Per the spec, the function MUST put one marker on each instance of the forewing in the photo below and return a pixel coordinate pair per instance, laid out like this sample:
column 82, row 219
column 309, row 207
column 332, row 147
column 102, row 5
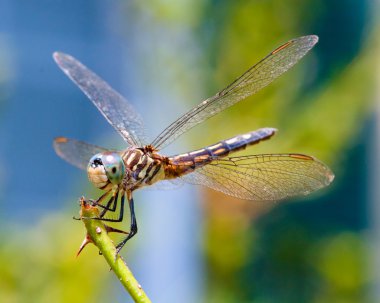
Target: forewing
column 257, row 77
column 117, row 110
column 77, row 153
column 264, row 177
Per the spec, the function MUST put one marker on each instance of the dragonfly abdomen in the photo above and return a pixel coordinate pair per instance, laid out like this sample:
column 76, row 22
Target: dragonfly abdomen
column 240, row 142
column 188, row 162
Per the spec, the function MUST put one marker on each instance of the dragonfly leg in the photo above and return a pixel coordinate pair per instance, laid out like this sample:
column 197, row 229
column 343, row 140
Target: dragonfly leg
column 99, row 201
column 107, row 207
column 133, row 229
column 119, row 219
column 114, row 199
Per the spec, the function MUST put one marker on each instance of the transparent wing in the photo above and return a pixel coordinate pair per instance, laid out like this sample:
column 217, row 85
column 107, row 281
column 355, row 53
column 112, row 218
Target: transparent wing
column 117, row 111
column 77, row 153
column 166, row 185
column 257, row 77
column 264, row 177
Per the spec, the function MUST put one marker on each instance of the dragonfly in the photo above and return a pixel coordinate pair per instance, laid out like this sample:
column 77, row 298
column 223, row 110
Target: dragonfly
column 264, row 177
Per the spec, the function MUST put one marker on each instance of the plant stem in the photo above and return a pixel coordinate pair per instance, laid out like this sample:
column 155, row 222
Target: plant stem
column 97, row 233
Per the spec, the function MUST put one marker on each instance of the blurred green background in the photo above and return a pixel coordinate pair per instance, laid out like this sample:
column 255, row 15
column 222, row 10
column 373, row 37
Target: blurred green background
column 193, row 245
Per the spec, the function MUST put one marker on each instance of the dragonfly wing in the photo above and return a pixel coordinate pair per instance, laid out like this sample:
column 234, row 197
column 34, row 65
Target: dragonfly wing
column 77, row 153
column 253, row 80
column 117, row 110
column 264, row 177
column 166, row 185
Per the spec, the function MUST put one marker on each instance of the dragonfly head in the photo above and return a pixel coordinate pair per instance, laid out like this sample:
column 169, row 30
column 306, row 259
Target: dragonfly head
column 106, row 168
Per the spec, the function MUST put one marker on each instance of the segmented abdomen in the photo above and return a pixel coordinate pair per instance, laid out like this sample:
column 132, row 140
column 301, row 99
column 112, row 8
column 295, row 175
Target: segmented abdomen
column 185, row 163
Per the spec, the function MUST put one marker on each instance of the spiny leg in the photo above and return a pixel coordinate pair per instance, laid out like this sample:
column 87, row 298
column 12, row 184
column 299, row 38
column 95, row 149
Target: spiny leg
column 121, row 213
column 107, row 207
column 99, row 200
column 133, row 229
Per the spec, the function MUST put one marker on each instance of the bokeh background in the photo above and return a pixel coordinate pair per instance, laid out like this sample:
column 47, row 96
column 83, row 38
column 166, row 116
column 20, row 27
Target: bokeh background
column 193, row 245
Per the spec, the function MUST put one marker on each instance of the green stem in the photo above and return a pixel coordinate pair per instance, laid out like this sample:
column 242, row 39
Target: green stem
column 97, row 233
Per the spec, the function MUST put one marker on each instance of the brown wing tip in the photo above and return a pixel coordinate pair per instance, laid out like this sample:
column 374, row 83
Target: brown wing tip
column 60, row 140
column 57, row 144
column 282, row 47
column 301, row 157
column 312, row 38
column 328, row 173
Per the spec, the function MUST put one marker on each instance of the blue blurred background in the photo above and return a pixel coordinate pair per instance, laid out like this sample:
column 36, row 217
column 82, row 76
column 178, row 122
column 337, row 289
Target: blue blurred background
column 194, row 245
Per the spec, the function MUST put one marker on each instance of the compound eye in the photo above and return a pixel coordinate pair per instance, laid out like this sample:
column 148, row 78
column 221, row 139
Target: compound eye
column 96, row 161
column 96, row 172
column 114, row 166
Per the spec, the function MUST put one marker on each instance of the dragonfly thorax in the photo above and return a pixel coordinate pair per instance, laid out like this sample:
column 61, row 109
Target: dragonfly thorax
column 106, row 168
column 143, row 167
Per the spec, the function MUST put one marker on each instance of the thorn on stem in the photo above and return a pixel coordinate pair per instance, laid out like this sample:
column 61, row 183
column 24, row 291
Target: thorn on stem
column 86, row 241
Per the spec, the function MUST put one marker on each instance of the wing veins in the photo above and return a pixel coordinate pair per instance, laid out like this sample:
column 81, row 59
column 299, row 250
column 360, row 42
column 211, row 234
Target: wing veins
column 112, row 105
column 267, row 177
column 288, row 54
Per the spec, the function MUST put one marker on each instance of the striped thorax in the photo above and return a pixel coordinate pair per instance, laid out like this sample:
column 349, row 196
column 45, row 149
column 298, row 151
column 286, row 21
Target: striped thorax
column 144, row 167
